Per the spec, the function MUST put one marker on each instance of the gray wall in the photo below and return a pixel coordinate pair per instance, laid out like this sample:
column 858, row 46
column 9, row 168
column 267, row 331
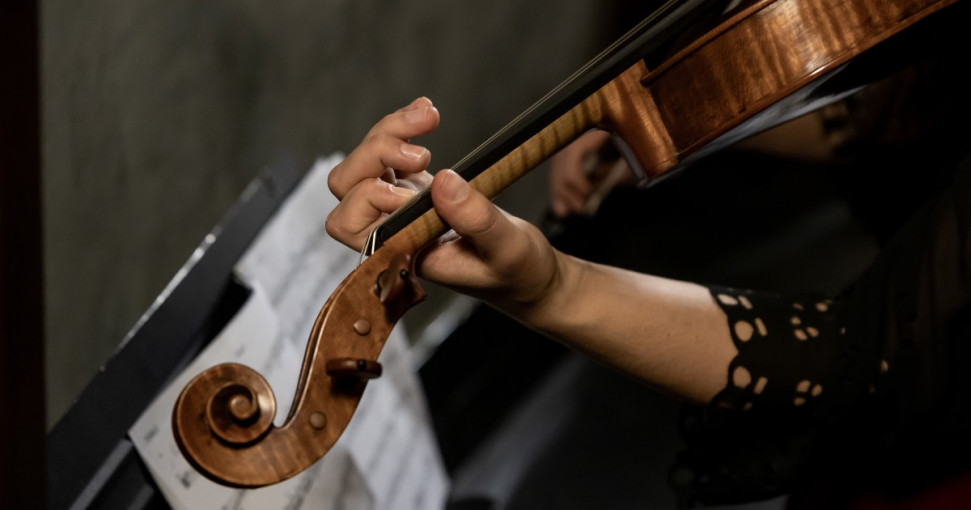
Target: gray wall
column 157, row 113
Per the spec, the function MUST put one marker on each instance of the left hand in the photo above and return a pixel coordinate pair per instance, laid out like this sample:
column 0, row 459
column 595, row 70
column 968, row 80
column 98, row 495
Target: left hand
column 489, row 254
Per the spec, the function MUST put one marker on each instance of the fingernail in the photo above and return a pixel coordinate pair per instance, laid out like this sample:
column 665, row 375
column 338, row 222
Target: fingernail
column 403, row 192
column 454, row 189
column 419, row 102
column 413, row 151
column 416, row 115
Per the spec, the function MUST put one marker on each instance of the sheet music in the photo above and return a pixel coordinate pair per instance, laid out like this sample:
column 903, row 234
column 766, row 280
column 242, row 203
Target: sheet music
column 386, row 458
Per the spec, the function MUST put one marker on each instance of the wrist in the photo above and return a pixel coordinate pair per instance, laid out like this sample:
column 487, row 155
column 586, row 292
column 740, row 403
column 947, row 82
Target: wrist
column 546, row 311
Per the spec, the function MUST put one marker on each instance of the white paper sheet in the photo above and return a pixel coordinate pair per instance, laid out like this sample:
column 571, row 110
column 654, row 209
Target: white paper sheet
column 387, row 456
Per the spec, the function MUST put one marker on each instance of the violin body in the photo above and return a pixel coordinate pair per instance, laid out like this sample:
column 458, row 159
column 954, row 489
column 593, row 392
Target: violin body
column 762, row 63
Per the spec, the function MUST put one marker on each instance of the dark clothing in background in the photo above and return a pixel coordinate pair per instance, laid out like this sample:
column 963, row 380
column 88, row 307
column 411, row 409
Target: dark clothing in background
column 864, row 393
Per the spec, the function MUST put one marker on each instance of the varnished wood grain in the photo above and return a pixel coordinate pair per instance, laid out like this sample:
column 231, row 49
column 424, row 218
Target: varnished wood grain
column 278, row 453
column 766, row 53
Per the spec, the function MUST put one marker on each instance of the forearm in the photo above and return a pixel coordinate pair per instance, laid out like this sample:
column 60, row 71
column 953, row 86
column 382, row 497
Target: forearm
column 668, row 333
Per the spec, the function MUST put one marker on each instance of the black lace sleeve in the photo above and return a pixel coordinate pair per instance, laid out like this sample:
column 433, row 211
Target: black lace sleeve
column 865, row 393
column 789, row 350
column 751, row 440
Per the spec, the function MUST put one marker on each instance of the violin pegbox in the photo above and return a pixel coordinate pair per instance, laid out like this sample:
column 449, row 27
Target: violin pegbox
column 223, row 419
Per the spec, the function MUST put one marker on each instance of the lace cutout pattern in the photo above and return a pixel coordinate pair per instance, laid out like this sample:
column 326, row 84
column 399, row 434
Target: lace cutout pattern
column 748, row 442
column 787, row 349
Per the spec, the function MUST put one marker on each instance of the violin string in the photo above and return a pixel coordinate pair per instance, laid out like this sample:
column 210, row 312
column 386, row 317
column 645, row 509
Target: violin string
column 421, row 202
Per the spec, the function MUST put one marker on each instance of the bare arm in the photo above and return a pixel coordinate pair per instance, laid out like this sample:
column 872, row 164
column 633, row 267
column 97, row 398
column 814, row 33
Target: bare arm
column 668, row 333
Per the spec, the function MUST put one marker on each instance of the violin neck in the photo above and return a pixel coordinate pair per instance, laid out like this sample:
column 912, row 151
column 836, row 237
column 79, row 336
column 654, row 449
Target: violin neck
column 552, row 122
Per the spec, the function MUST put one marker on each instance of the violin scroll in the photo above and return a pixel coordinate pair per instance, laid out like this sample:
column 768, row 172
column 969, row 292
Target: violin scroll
column 240, row 407
column 223, row 420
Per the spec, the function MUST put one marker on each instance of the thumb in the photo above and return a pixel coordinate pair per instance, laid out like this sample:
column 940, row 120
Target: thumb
column 471, row 214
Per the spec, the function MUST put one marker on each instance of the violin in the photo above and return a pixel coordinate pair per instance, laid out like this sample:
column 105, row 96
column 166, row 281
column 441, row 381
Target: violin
column 668, row 101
